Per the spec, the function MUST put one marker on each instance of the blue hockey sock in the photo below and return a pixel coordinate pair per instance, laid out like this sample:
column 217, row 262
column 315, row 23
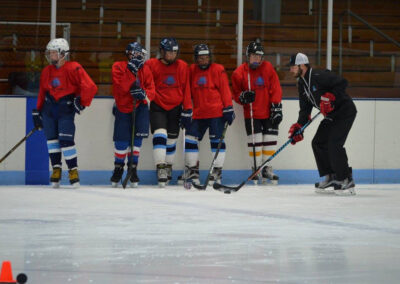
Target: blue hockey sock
column 137, row 144
column 54, row 150
column 120, row 151
column 69, row 152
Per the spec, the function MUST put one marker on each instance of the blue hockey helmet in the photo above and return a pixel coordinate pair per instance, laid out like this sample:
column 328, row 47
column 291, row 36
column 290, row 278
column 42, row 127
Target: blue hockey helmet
column 135, row 49
column 169, row 44
column 202, row 49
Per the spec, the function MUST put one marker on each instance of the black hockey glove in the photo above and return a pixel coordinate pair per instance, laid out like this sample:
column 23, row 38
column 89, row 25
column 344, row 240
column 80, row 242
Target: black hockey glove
column 37, row 119
column 137, row 93
column 276, row 114
column 247, row 97
column 228, row 114
column 78, row 108
column 135, row 64
column 186, row 118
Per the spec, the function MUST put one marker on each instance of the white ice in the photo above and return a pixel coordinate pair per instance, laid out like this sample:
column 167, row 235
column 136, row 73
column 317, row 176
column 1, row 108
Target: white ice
column 285, row 234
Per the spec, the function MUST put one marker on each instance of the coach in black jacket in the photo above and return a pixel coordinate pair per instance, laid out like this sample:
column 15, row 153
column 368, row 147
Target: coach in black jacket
column 327, row 92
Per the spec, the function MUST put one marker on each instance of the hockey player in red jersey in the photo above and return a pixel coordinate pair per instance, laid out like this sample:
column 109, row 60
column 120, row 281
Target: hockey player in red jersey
column 65, row 89
column 256, row 86
column 132, row 82
column 212, row 108
column 171, row 107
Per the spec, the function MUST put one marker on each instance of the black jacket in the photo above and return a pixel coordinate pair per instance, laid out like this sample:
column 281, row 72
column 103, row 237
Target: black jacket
column 316, row 83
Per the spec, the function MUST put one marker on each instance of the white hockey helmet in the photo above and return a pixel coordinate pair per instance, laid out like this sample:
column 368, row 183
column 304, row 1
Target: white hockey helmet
column 57, row 44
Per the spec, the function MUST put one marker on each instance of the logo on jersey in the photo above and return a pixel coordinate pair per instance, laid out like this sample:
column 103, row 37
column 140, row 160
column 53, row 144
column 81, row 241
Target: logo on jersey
column 170, row 80
column 259, row 81
column 202, row 81
column 55, row 82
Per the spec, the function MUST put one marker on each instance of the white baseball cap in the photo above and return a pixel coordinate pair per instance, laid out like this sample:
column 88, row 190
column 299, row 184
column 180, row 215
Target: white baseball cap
column 298, row 58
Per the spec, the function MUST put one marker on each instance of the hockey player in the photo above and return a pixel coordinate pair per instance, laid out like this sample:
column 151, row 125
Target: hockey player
column 171, row 107
column 256, row 86
column 132, row 83
column 326, row 91
column 65, row 89
column 212, row 108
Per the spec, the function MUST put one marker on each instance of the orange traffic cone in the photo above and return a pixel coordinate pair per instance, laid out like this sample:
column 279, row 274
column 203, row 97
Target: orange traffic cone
column 6, row 273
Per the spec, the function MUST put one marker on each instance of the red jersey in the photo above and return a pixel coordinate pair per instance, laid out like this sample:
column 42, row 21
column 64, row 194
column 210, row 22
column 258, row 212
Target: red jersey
column 123, row 79
column 172, row 83
column 210, row 91
column 264, row 82
column 69, row 79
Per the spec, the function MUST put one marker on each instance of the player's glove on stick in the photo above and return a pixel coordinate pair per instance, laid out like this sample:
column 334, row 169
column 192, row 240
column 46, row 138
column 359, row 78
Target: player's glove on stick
column 247, row 97
column 37, row 119
column 138, row 93
column 78, row 108
column 326, row 104
column 297, row 137
column 135, row 64
column 276, row 114
column 228, row 114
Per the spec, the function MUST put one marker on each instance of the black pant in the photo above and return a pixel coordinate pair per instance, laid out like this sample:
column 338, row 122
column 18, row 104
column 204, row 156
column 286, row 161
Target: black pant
column 327, row 145
column 166, row 119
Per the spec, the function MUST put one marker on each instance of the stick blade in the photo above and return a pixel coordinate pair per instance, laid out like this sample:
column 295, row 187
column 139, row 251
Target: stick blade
column 126, row 179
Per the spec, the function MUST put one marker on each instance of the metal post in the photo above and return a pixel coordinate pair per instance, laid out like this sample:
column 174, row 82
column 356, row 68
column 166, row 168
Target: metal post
column 53, row 19
column 329, row 36
column 148, row 27
column 240, row 33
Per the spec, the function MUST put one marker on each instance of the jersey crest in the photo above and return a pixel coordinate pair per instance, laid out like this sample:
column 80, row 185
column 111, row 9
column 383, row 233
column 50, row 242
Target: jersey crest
column 202, row 81
column 170, row 80
column 259, row 81
column 55, row 82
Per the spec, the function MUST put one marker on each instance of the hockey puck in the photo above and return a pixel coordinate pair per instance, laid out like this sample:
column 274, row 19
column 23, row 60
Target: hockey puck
column 227, row 192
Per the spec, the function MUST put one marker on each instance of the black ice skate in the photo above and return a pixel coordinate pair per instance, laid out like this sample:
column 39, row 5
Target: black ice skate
column 74, row 178
column 117, row 174
column 346, row 186
column 162, row 175
column 191, row 175
column 324, row 186
column 215, row 176
column 134, row 179
column 56, row 177
column 268, row 175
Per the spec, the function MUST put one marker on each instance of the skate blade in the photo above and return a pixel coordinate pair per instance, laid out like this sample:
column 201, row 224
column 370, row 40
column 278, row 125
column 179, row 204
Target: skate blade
column 134, row 184
column 114, row 184
column 161, row 184
column 75, row 185
column 55, row 184
column 180, row 182
column 266, row 181
column 324, row 191
column 345, row 192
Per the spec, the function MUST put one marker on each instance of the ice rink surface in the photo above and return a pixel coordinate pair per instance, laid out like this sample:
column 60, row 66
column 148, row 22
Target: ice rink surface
column 263, row 234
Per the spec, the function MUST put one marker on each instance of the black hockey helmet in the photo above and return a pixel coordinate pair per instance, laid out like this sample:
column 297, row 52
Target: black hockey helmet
column 202, row 49
column 255, row 48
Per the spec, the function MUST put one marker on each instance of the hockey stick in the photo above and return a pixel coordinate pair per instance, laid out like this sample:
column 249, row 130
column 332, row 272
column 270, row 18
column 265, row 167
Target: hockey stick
column 229, row 189
column 17, row 145
column 186, row 183
column 252, row 125
column 129, row 173
column 204, row 186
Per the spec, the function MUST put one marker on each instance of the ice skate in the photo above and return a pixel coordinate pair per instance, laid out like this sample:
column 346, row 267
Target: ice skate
column 190, row 175
column 345, row 187
column 324, row 186
column 256, row 178
column 56, row 177
column 74, row 178
column 134, row 179
column 169, row 172
column 162, row 176
column 117, row 174
column 216, row 176
column 268, row 175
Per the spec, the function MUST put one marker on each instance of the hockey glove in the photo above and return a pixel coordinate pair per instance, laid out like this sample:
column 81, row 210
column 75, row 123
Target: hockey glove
column 138, row 93
column 293, row 133
column 78, row 108
column 228, row 114
column 326, row 104
column 135, row 64
column 186, row 118
column 37, row 119
column 276, row 114
column 247, row 97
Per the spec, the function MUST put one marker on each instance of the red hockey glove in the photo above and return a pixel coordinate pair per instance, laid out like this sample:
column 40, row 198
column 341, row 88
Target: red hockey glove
column 297, row 137
column 326, row 104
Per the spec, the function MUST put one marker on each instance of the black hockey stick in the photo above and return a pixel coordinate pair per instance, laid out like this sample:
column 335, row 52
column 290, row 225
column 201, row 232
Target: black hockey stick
column 17, row 145
column 204, row 186
column 229, row 189
column 130, row 169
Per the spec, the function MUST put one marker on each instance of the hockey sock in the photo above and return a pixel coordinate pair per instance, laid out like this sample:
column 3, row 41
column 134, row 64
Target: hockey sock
column 69, row 152
column 137, row 144
column 258, row 146
column 54, row 150
column 120, row 151
column 191, row 151
column 269, row 146
column 219, row 162
column 171, row 149
column 159, row 145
